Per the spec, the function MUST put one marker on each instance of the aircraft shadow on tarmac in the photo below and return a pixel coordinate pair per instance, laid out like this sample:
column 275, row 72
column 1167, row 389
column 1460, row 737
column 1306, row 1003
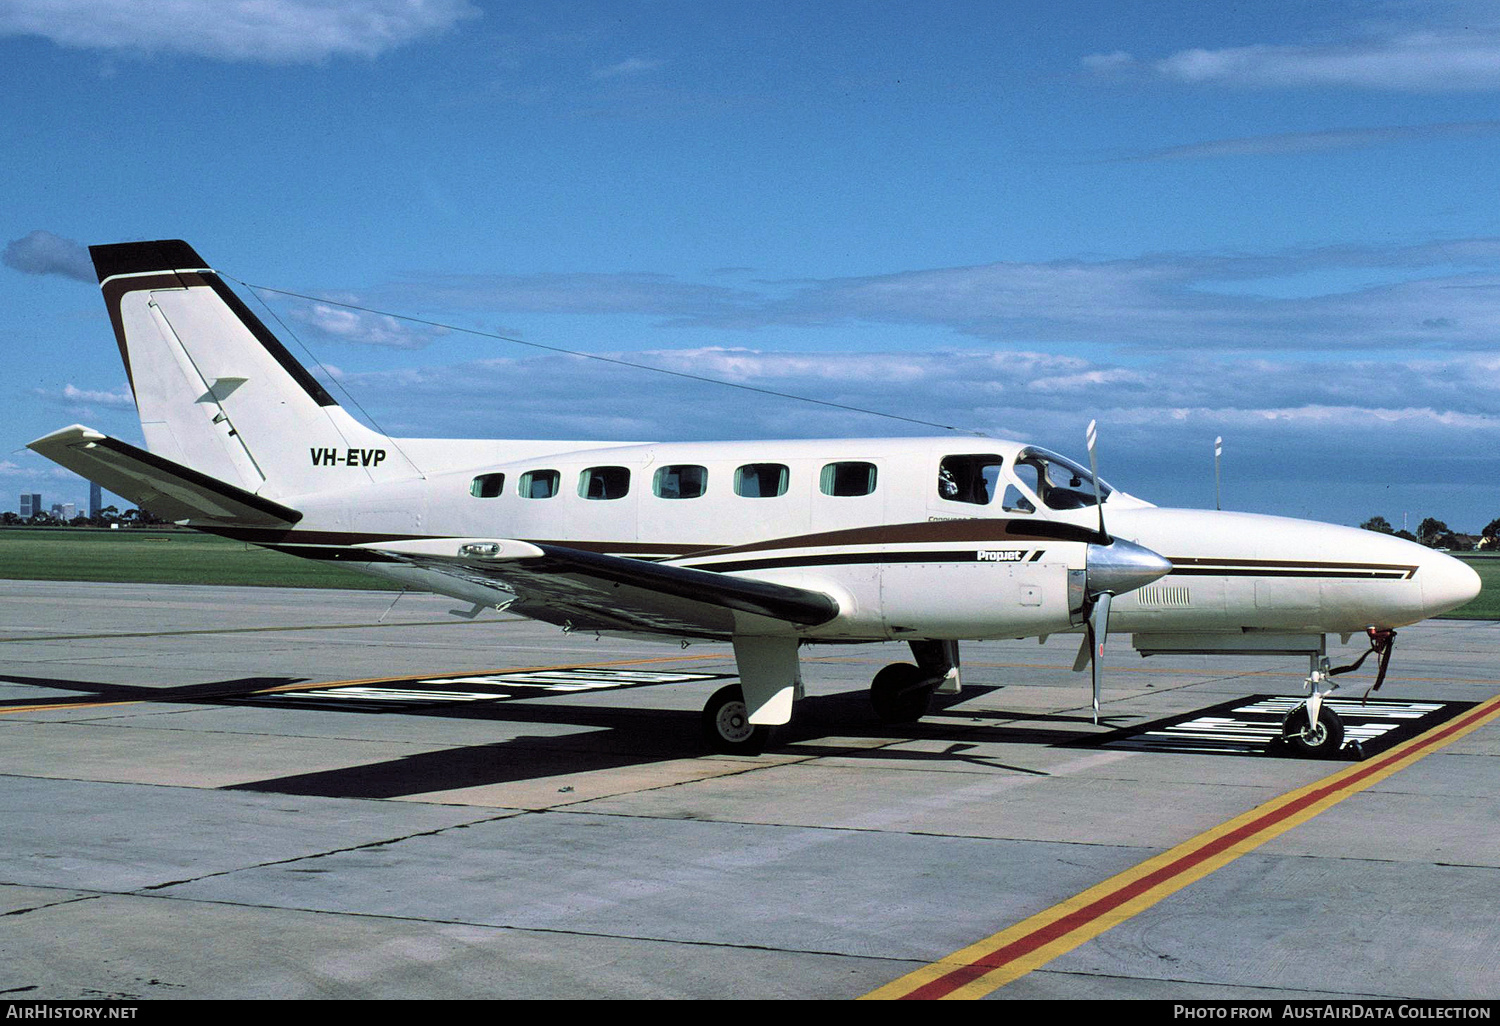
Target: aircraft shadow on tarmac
column 632, row 737
column 615, row 737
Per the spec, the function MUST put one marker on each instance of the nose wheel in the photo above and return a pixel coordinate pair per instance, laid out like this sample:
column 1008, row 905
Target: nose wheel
column 1318, row 736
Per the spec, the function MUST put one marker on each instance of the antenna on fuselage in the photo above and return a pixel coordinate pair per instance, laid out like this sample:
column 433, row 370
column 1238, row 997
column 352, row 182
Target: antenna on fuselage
column 1218, row 453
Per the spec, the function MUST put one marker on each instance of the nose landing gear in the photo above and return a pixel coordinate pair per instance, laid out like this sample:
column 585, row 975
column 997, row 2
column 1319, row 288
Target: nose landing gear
column 1317, row 735
column 1315, row 730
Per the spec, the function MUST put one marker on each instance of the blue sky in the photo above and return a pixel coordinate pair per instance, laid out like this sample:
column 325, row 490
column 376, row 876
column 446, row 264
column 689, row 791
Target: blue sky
column 1274, row 222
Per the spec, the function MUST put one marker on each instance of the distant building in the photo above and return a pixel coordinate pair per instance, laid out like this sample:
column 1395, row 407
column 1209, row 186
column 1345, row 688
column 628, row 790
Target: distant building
column 65, row 511
column 96, row 500
column 31, row 504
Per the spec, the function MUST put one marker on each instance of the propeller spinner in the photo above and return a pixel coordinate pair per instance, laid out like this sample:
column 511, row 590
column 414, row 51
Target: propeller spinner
column 1113, row 568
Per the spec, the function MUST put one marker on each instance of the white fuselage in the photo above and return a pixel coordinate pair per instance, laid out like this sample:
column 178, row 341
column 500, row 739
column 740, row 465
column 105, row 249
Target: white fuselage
column 903, row 555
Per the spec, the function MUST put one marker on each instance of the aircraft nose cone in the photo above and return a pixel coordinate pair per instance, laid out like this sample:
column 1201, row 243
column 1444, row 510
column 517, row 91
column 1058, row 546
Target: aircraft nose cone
column 1123, row 566
column 1447, row 583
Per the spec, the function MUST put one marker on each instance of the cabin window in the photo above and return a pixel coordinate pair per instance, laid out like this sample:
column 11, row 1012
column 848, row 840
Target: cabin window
column 761, row 480
column 487, row 486
column 539, row 484
column 969, row 478
column 848, row 479
column 604, row 483
column 1059, row 482
column 680, row 481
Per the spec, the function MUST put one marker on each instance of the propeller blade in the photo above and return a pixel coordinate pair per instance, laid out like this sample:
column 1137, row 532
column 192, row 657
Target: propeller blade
column 1085, row 649
column 1097, row 633
column 1092, row 437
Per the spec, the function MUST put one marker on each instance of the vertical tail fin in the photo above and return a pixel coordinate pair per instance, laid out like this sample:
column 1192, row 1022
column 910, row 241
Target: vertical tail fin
column 217, row 391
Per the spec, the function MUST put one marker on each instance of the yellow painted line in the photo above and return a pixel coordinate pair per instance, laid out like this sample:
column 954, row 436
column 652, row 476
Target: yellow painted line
column 990, row 964
column 368, row 680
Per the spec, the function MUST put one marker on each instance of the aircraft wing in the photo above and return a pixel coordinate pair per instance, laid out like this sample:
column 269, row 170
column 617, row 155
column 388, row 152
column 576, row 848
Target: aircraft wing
column 169, row 490
column 594, row 591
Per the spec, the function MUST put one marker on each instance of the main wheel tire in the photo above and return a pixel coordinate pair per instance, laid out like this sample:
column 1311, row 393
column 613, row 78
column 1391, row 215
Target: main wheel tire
column 727, row 727
column 899, row 693
column 1321, row 740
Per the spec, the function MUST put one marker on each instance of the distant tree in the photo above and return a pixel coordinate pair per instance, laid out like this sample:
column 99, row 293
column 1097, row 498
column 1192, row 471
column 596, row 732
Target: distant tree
column 1380, row 524
column 1491, row 532
column 1404, row 533
column 8, row 518
column 1431, row 530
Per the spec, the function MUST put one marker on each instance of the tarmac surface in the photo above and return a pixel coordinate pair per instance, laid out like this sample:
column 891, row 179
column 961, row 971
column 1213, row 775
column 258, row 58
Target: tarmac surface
column 189, row 812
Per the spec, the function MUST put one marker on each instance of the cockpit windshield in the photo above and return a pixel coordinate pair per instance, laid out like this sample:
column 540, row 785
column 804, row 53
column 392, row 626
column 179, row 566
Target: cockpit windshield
column 1057, row 481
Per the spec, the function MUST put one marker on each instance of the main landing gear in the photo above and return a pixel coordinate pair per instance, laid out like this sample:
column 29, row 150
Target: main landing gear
column 727, row 727
column 902, row 692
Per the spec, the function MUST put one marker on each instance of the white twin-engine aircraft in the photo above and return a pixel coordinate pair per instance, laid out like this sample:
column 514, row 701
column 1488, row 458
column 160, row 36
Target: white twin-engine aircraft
column 769, row 545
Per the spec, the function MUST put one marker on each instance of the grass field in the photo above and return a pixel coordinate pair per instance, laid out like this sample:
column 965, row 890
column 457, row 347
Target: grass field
column 187, row 557
column 162, row 557
column 1487, row 605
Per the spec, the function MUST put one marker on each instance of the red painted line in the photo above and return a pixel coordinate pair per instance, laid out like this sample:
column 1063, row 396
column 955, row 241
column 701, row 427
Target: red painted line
column 992, row 960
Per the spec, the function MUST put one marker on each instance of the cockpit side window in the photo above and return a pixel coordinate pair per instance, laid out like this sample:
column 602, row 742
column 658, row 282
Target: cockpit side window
column 1059, row 482
column 969, row 478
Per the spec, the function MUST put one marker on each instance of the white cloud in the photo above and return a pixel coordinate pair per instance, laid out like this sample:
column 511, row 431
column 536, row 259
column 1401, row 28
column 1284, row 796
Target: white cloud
column 1316, row 142
column 1445, row 294
column 1432, row 48
column 275, row 31
column 83, row 400
column 630, row 66
column 41, row 252
column 1411, row 61
column 362, row 327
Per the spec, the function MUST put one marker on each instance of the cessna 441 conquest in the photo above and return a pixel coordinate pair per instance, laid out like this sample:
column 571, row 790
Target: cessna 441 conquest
column 769, row 545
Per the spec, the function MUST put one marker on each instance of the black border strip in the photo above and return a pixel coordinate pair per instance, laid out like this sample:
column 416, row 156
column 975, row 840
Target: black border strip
column 141, row 257
column 199, row 480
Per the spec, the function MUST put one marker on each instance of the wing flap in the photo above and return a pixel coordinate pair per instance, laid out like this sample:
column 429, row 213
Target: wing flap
column 169, row 490
column 592, row 590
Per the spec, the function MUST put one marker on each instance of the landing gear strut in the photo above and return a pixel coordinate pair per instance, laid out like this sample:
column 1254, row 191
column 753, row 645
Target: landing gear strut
column 1313, row 728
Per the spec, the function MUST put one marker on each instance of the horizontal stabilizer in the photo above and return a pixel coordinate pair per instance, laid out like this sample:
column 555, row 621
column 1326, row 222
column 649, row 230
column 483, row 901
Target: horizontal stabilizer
column 168, row 490
column 614, row 592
